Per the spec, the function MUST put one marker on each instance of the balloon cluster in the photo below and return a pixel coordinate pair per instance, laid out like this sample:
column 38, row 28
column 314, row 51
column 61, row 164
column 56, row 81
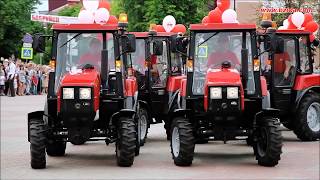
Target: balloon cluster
column 221, row 14
column 169, row 25
column 298, row 20
column 96, row 11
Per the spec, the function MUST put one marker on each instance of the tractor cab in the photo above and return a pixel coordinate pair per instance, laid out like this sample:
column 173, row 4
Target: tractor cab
column 92, row 95
column 221, row 98
column 293, row 87
column 159, row 70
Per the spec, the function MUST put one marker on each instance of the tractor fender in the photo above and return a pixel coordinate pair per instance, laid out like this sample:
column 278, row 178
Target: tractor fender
column 122, row 113
column 179, row 113
column 171, row 101
column 145, row 105
column 267, row 112
column 301, row 94
column 34, row 115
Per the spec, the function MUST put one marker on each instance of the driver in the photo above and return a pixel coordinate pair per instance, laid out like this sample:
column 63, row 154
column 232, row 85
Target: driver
column 223, row 53
column 93, row 55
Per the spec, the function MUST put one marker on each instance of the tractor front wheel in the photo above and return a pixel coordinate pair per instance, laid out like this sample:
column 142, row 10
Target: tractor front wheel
column 126, row 142
column 182, row 142
column 37, row 144
column 268, row 146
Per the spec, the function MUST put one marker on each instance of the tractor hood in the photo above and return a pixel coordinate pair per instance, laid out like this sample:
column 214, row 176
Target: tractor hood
column 86, row 77
column 224, row 77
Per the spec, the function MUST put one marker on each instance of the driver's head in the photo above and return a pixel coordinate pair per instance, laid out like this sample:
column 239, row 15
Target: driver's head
column 95, row 46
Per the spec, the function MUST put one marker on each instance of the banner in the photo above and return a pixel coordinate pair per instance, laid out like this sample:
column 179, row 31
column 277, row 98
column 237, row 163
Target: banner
column 54, row 19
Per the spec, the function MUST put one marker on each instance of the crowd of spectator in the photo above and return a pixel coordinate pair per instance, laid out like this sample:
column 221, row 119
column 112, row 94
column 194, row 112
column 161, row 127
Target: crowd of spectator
column 22, row 78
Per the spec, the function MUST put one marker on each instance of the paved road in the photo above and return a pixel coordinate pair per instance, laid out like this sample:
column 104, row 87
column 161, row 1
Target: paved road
column 95, row 160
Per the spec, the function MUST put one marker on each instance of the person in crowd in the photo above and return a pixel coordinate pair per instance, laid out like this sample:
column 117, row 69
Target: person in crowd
column 6, row 69
column 45, row 80
column 10, row 76
column 2, row 80
column 22, row 81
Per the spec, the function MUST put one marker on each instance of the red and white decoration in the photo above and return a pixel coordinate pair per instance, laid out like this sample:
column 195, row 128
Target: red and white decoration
column 301, row 21
column 221, row 14
column 169, row 25
column 95, row 11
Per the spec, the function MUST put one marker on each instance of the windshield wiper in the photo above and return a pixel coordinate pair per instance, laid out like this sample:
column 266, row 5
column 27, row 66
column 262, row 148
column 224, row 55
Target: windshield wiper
column 70, row 40
column 208, row 39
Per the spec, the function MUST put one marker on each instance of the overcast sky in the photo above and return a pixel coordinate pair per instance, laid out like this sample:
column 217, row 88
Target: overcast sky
column 43, row 6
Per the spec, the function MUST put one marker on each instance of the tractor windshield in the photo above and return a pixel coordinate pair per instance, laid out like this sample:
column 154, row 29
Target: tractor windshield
column 139, row 56
column 214, row 48
column 74, row 50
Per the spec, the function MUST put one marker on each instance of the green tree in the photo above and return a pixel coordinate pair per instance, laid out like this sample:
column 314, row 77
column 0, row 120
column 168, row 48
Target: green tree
column 70, row 10
column 15, row 22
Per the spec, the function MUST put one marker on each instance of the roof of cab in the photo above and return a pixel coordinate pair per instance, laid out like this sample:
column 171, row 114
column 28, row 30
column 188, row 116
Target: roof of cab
column 222, row 26
column 146, row 34
column 83, row 27
column 293, row 31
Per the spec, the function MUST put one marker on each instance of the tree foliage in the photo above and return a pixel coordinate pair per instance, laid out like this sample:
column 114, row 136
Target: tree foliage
column 70, row 10
column 15, row 22
column 141, row 13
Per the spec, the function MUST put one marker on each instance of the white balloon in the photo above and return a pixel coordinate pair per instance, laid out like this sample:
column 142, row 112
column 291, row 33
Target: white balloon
column 168, row 23
column 229, row 16
column 285, row 23
column 86, row 17
column 101, row 16
column 282, row 28
column 298, row 19
column 91, row 5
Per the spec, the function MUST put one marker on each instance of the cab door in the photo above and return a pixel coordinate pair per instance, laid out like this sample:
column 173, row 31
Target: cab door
column 158, row 80
column 283, row 75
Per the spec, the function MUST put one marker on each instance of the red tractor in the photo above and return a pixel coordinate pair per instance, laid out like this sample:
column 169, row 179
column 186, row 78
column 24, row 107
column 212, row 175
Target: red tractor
column 221, row 97
column 293, row 87
column 159, row 71
column 91, row 94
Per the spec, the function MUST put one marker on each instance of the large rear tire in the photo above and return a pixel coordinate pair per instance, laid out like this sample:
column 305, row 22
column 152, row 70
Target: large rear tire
column 268, row 146
column 182, row 142
column 37, row 144
column 56, row 148
column 126, row 142
column 307, row 121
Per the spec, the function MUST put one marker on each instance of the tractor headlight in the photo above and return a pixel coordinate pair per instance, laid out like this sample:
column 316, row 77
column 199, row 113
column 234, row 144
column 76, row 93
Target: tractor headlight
column 85, row 93
column 68, row 93
column 215, row 93
column 232, row 92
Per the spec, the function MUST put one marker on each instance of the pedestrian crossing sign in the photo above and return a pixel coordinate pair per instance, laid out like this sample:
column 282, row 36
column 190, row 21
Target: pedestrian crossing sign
column 202, row 51
column 26, row 53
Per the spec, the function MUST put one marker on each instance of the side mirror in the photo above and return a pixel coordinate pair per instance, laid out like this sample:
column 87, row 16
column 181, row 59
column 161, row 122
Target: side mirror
column 39, row 43
column 157, row 48
column 278, row 45
column 315, row 42
column 178, row 44
column 128, row 43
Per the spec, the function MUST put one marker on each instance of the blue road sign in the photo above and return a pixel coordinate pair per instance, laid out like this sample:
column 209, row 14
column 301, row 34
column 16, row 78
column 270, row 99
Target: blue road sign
column 26, row 53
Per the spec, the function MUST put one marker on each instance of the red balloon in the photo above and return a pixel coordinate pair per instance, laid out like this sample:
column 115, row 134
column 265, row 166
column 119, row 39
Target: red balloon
column 291, row 25
column 215, row 16
column 160, row 28
column 180, row 28
column 312, row 37
column 112, row 20
column 205, row 20
column 104, row 4
column 312, row 26
column 223, row 4
column 307, row 18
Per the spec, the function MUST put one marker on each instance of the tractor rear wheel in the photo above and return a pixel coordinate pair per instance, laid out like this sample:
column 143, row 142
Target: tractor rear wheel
column 143, row 125
column 37, row 144
column 56, row 148
column 126, row 142
column 182, row 142
column 307, row 121
column 268, row 146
